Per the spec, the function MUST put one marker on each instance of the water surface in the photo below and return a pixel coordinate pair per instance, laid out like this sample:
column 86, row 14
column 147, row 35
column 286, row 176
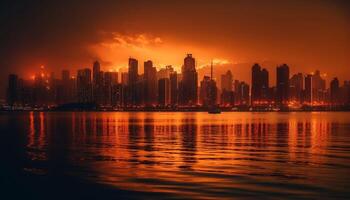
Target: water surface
column 175, row 155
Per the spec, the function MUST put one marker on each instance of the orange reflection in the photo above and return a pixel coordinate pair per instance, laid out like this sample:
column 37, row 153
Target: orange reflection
column 156, row 151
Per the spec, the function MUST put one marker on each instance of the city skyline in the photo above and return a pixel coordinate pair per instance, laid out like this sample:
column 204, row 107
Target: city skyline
column 167, row 88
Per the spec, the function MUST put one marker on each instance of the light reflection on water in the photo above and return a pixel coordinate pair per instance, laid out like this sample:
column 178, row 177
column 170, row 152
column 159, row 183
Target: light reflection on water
column 191, row 155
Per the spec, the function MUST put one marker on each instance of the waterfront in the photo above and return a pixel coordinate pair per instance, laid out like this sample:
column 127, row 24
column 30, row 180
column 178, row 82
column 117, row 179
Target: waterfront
column 178, row 155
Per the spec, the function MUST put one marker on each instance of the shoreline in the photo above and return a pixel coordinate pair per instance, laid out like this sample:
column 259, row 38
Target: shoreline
column 175, row 111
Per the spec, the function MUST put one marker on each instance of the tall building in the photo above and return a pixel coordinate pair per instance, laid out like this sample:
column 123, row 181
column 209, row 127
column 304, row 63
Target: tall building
column 27, row 93
column 260, row 86
column 84, row 86
column 335, row 92
column 110, row 80
column 164, row 92
column 132, row 81
column 97, row 83
column 244, row 93
column 346, row 93
column 227, row 81
column 118, row 95
column 13, row 90
column 296, row 88
column 207, row 92
column 264, row 87
column 241, row 93
column 282, row 85
column 318, row 88
column 65, row 89
column 227, row 96
column 150, row 77
column 124, row 78
column 174, row 88
column 41, row 89
column 256, row 84
column 133, row 71
column 189, row 83
column 308, row 90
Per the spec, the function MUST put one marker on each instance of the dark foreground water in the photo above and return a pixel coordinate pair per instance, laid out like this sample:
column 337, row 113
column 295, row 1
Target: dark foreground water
column 175, row 155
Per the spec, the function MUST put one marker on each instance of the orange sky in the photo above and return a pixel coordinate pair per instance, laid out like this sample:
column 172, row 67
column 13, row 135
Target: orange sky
column 307, row 35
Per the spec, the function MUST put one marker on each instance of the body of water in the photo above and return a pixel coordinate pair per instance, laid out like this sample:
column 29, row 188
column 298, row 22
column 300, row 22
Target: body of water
column 145, row 155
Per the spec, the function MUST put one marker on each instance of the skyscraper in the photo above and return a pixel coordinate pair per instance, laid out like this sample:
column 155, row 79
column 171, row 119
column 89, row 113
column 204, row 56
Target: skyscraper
column 173, row 88
column 346, row 93
column 241, row 93
column 260, row 86
column 164, row 92
column 282, row 85
column 256, row 84
column 296, row 88
column 132, row 81
column 264, row 74
column 207, row 92
column 227, row 97
column 133, row 71
column 110, row 80
column 308, row 90
column 335, row 92
column 84, row 86
column 189, row 82
column 318, row 88
column 227, row 81
column 12, row 90
column 65, row 88
column 97, row 85
column 124, row 78
column 150, row 77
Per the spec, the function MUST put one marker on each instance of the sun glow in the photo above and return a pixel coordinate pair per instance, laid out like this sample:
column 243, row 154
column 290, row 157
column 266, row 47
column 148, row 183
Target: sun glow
column 163, row 52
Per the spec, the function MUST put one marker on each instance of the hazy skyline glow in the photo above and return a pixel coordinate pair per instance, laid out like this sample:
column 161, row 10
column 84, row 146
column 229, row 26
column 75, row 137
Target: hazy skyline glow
column 307, row 35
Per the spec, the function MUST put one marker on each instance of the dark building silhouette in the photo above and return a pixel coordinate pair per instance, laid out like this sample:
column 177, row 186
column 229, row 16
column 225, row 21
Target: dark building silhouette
column 13, row 95
column 110, row 80
column 189, row 82
column 164, row 92
column 150, row 77
column 242, row 97
column 174, row 90
column 296, row 88
column 207, row 92
column 256, row 84
column 282, row 85
column 227, row 95
column 345, row 90
column 98, row 83
column 65, row 88
column 84, row 86
column 118, row 95
column 124, row 78
column 41, row 88
column 260, row 86
column 167, row 88
column 308, row 90
column 264, row 87
column 318, row 88
column 335, row 97
column 132, row 81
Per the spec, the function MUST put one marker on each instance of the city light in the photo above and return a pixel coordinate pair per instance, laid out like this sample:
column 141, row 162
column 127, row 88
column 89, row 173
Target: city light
column 167, row 89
